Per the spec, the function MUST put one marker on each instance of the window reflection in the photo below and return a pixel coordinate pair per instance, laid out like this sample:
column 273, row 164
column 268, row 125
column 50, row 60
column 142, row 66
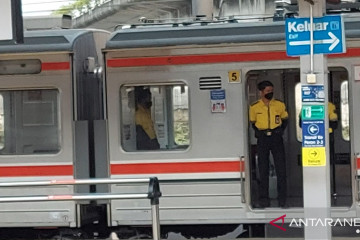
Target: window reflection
column 29, row 122
column 165, row 120
column 345, row 111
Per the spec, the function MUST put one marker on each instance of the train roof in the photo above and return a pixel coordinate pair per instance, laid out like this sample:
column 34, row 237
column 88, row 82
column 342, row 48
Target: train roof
column 211, row 33
column 47, row 40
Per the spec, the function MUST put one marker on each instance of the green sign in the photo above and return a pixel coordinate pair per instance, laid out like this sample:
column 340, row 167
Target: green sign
column 312, row 112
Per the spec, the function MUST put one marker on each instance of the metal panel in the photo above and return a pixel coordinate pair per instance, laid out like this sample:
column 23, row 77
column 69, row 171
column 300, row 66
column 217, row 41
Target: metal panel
column 82, row 168
column 101, row 154
column 182, row 201
column 190, row 201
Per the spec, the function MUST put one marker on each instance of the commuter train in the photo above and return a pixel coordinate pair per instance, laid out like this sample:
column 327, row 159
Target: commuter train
column 68, row 112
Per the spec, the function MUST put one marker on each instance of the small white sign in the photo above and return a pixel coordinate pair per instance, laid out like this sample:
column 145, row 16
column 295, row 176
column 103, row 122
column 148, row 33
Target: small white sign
column 357, row 73
column 6, row 32
column 218, row 103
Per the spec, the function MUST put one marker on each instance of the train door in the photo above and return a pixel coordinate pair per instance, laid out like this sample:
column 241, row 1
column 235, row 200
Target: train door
column 287, row 88
column 284, row 81
column 339, row 136
column 340, row 144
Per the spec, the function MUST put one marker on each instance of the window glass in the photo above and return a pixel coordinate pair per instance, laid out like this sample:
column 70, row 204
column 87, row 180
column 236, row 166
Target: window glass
column 30, row 122
column 154, row 117
column 1, row 122
column 345, row 111
column 298, row 109
column 181, row 115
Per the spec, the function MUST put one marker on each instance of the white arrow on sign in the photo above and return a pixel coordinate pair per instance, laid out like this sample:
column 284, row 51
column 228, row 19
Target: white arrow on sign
column 313, row 129
column 334, row 41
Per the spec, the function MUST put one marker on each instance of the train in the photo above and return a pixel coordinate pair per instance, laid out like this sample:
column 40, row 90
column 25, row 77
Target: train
column 67, row 112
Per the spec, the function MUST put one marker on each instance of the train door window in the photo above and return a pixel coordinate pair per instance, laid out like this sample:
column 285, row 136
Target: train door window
column 345, row 111
column 155, row 117
column 181, row 116
column 30, row 122
column 297, row 111
column 1, row 122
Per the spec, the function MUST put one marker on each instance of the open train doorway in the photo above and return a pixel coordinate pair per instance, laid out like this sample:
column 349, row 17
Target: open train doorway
column 287, row 88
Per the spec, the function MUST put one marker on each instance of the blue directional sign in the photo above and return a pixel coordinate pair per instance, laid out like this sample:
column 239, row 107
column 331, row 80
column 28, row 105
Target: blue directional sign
column 328, row 35
column 313, row 93
column 313, row 133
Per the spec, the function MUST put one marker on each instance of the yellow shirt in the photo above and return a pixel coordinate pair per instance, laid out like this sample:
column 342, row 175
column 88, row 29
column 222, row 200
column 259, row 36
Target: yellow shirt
column 267, row 117
column 332, row 114
column 143, row 118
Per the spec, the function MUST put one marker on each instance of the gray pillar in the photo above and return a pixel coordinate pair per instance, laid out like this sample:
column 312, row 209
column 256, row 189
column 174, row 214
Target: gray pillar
column 316, row 179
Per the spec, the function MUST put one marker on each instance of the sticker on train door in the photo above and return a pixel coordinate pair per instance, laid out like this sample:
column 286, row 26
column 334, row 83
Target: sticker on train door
column 218, row 103
column 234, row 77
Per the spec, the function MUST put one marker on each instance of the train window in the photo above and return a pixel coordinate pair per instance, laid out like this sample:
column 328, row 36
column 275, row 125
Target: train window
column 297, row 111
column 345, row 127
column 31, row 124
column 155, row 117
column 22, row 66
column 1, row 122
column 181, row 115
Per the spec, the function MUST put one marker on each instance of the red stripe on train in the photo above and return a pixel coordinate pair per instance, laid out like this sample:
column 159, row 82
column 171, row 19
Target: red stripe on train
column 184, row 167
column 350, row 52
column 196, row 59
column 27, row 171
column 213, row 58
column 51, row 66
column 358, row 163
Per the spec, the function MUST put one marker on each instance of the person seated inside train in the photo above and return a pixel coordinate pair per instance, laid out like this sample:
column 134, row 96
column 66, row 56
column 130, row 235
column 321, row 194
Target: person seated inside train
column 333, row 118
column 146, row 138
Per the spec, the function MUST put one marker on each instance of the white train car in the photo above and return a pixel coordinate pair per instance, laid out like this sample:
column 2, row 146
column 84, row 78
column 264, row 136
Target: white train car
column 46, row 119
column 207, row 157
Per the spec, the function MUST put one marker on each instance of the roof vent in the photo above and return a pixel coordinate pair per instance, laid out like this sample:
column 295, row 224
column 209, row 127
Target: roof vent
column 209, row 83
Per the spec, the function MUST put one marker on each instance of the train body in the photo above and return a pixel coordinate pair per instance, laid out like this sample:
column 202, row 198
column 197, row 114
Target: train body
column 64, row 118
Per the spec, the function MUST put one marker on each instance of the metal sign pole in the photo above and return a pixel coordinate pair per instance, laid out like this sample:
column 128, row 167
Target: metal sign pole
column 17, row 21
column 316, row 171
column 311, row 40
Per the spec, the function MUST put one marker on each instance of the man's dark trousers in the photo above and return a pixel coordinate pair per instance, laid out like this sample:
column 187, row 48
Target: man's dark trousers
column 275, row 145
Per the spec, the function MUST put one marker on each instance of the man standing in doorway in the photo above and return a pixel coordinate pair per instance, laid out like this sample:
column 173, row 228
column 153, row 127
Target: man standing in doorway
column 269, row 120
